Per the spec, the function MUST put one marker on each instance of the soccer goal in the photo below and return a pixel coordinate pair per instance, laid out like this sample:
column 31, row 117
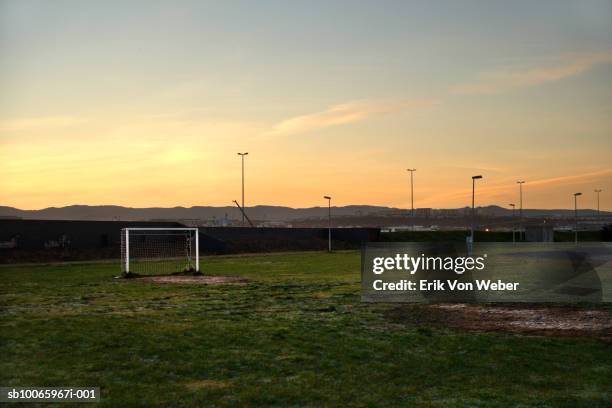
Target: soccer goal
column 159, row 251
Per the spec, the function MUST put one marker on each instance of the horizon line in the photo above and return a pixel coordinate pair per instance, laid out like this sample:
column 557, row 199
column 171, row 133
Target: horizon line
column 304, row 208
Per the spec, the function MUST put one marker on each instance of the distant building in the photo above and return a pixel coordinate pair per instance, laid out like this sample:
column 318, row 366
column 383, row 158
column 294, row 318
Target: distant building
column 423, row 212
column 188, row 222
column 539, row 233
column 274, row 224
column 450, row 213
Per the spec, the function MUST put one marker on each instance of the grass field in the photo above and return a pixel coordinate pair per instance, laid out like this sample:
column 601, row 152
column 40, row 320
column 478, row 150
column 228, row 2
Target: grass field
column 295, row 335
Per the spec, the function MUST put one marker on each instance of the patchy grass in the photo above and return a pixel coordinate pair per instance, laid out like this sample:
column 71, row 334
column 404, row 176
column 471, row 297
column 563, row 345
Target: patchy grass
column 295, row 335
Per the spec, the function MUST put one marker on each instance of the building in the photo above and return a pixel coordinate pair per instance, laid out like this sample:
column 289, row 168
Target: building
column 422, row 212
column 540, row 232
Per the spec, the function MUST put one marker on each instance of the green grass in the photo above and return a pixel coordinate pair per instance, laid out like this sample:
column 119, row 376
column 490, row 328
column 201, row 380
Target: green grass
column 296, row 335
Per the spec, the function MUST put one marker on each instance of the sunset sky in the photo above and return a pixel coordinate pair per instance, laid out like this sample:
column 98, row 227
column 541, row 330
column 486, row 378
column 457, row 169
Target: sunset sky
column 146, row 103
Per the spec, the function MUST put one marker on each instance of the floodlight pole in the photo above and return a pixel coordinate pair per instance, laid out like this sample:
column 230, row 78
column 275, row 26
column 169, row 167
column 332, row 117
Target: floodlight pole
column 243, row 208
column 328, row 198
column 474, row 178
column 520, row 183
column 599, row 190
column 412, row 195
column 411, row 191
column 513, row 221
column 576, row 217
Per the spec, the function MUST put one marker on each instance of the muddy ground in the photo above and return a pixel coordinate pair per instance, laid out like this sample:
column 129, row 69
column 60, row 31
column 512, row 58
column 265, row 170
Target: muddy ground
column 192, row 280
column 518, row 318
column 525, row 319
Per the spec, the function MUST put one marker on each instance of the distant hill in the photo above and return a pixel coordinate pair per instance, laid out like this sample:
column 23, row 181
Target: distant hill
column 112, row 212
column 260, row 212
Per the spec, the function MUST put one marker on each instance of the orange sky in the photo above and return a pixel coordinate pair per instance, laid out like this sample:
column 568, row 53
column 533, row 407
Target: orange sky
column 118, row 108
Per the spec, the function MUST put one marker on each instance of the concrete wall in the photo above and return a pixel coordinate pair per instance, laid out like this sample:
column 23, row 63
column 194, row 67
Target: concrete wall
column 235, row 240
column 40, row 234
column 47, row 240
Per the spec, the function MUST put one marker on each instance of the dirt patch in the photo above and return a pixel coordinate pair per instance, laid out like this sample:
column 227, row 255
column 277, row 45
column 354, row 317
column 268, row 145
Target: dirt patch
column 516, row 318
column 204, row 384
column 192, row 280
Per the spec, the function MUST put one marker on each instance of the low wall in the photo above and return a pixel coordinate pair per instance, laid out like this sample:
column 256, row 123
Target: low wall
column 50, row 240
column 235, row 240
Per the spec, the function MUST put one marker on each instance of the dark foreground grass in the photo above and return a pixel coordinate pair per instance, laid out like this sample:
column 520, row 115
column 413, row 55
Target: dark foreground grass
column 296, row 335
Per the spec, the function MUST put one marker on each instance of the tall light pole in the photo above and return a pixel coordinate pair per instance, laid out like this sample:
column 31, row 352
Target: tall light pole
column 513, row 221
column 520, row 183
column 328, row 198
column 597, row 191
column 576, row 216
column 411, row 191
column 243, row 209
column 474, row 178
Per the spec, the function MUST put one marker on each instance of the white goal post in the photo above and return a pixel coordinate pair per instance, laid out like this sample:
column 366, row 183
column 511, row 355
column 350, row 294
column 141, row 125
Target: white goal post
column 160, row 251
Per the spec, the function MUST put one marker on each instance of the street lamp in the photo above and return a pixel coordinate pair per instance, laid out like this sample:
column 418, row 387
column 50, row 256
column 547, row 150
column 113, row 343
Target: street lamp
column 411, row 191
column 474, row 178
column 599, row 190
column 513, row 221
column 576, row 216
column 243, row 209
column 328, row 198
column 520, row 183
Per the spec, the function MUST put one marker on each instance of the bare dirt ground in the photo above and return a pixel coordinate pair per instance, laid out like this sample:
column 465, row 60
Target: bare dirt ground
column 192, row 280
column 525, row 319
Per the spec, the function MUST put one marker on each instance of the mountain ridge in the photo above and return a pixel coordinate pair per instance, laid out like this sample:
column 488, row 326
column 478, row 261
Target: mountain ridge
column 259, row 212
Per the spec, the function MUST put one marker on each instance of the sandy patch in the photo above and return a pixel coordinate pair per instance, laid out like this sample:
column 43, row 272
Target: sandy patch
column 191, row 280
column 204, row 384
column 529, row 319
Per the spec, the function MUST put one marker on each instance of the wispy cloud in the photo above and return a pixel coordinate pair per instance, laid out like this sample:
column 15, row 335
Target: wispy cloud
column 574, row 179
column 509, row 79
column 492, row 192
column 493, row 82
column 349, row 112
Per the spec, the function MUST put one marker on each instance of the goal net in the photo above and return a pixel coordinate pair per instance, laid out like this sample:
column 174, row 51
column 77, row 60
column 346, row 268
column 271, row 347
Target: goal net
column 159, row 251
